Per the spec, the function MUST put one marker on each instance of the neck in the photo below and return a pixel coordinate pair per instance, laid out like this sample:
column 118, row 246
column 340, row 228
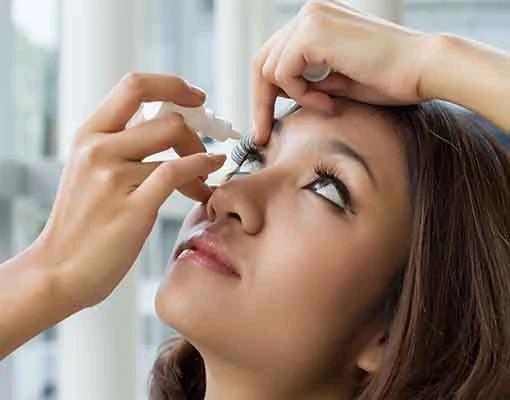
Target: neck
column 227, row 382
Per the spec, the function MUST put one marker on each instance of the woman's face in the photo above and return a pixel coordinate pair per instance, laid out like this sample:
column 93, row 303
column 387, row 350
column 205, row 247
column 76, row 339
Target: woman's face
column 315, row 232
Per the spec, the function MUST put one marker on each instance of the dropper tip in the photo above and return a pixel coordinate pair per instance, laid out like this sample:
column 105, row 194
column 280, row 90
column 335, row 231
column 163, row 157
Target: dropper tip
column 235, row 134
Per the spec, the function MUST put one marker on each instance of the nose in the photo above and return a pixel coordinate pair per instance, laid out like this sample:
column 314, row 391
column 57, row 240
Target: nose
column 240, row 200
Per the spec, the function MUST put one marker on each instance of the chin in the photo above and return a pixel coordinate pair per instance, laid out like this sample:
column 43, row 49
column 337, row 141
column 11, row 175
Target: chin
column 177, row 303
column 195, row 304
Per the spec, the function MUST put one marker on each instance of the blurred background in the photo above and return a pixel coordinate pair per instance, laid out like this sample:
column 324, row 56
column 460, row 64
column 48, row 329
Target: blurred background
column 57, row 60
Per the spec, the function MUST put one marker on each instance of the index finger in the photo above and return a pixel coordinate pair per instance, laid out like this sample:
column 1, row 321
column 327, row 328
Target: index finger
column 264, row 94
column 125, row 99
column 264, row 98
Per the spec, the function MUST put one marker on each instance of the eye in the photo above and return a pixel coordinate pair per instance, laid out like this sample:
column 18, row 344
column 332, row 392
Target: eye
column 252, row 162
column 332, row 189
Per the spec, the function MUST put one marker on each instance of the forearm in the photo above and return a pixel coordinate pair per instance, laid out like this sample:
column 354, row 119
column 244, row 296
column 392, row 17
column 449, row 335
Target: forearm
column 471, row 74
column 29, row 301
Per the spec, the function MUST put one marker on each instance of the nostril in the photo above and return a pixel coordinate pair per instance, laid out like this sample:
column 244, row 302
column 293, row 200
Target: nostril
column 234, row 216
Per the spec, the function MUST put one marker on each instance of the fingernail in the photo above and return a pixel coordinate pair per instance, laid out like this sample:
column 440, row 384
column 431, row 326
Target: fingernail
column 197, row 91
column 219, row 157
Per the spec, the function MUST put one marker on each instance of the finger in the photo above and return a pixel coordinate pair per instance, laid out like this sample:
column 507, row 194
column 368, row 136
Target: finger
column 273, row 57
column 173, row 174
column 196, row 190
column 287, row 73
column 125, row 99
column 264, row 98
column 369, row 95
column 317, row 100
column 264, row 94
column 136, row 119
column 154, row 136
column 288, row 77
column 333, row 84
column 136, row 173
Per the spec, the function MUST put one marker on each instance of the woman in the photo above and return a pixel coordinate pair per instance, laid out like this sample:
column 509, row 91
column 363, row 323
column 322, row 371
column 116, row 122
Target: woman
column 72, row 266
column 363, row 255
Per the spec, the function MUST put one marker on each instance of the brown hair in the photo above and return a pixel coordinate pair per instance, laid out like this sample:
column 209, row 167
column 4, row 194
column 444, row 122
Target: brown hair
column 449, row 331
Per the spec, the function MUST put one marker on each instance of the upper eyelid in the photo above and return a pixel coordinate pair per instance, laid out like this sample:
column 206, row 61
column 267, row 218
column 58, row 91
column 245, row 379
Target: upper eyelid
column 238, row 166
column 345, row 191
column 254, row 152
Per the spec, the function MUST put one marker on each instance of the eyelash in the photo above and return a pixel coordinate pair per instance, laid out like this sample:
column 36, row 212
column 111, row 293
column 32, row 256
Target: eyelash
column 243, row 151
column 330, row 173
column 246, row 150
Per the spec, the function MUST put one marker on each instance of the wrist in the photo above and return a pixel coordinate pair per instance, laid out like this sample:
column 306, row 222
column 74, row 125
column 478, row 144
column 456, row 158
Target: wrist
column 29, row 289
column 468, row 73
column 433, row 49
column 46, row 273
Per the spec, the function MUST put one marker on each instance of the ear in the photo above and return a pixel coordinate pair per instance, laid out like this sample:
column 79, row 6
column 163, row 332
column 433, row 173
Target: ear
column 370, row 357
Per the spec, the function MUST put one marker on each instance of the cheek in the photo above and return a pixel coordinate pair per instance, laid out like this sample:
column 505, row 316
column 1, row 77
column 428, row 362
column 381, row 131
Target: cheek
column 322, row 272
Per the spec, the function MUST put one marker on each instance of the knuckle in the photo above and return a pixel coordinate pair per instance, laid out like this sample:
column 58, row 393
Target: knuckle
column 177, row 131
column 174, row 121
column 92, row 152
column 79, row 138
column 170, row 172
column 256, row 65
column 313, row 8
column 175, row 127
column 268, row 72
column 279, row 74
column 134, row 83
column 312, row 17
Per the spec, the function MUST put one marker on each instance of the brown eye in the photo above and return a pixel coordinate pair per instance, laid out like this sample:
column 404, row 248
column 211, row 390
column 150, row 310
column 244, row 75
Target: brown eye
column 252, row 162
column 331, row 188
column 329, row 192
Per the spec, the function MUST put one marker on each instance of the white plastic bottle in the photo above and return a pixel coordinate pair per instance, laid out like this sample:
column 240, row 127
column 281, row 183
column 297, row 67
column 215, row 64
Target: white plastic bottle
column 206, row 122
column 202, row 120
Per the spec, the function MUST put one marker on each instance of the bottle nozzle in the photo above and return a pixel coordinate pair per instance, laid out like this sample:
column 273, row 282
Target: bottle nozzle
column 316, row 72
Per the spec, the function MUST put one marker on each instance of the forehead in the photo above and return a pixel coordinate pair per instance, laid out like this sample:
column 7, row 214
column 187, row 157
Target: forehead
column 366, row 128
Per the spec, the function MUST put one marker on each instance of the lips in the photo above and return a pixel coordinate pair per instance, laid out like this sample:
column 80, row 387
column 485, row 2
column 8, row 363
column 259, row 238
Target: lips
column 206, row 249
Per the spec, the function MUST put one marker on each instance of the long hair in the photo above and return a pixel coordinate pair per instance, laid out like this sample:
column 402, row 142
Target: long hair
column 449, row 325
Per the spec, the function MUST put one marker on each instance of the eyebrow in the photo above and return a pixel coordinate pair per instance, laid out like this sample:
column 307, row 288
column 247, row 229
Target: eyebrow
column 337, row 146
column 343, row 148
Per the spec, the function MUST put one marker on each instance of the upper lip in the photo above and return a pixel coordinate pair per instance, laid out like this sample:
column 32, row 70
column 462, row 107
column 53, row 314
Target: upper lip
column 210, row 244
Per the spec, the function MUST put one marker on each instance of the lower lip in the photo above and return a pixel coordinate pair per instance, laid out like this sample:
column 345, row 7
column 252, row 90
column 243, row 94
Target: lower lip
column 204, row 260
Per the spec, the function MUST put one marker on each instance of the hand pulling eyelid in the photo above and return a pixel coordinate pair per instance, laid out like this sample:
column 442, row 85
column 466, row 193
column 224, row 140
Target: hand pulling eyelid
column 207, row 123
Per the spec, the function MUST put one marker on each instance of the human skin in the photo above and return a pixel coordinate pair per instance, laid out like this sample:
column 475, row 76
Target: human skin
column 296, row 323
column 377, row 62
column 105, row 190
